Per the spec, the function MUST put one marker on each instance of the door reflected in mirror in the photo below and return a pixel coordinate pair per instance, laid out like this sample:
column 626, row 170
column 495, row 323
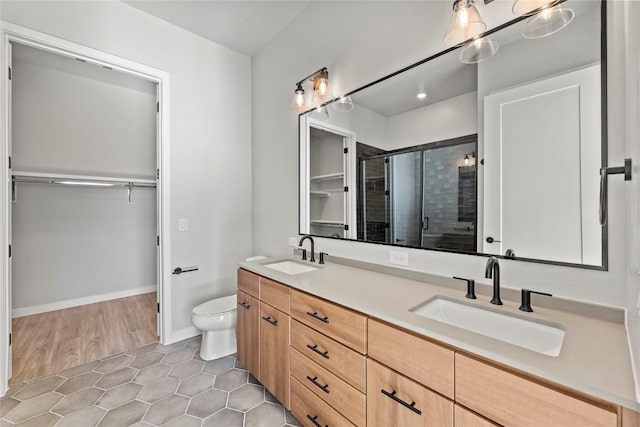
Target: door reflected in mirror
column 494, row 157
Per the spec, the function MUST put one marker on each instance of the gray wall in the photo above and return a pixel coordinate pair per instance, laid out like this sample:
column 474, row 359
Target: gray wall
column 210, row 136
column 78, row 242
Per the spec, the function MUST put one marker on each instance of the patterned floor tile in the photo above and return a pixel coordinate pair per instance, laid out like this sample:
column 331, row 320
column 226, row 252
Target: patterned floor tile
column 147, row 386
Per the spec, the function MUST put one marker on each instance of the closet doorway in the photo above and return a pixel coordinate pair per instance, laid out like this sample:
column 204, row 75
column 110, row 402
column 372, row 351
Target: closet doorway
column 84, row 207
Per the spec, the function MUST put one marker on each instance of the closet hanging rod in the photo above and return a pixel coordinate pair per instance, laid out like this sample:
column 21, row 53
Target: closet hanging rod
column 88, row 183
column 76, row 177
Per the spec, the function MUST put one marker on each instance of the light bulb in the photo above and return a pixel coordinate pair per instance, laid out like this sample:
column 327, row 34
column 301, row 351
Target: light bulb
column 466, row 159
column 299, row 100
column 546, row 13
column 463, row 18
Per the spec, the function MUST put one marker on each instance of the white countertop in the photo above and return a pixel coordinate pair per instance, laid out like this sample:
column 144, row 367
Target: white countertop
column 594, row 359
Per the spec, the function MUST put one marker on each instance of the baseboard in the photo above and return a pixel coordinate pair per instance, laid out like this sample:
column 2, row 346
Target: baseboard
column 183, row 334
column 59, row 305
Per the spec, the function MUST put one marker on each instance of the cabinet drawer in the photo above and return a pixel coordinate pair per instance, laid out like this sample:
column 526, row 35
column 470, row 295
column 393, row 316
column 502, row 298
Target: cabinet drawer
column 275, row 294
column 393, row 400
column 343, row 325
column 249, row 283
column 512, row 400
column 465, row 418
column 328, row 387
column 415, row 357
column 341, row 360
column 311, row 411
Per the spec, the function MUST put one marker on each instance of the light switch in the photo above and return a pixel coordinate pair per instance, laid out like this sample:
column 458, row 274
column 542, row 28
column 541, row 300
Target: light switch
column 183, row 224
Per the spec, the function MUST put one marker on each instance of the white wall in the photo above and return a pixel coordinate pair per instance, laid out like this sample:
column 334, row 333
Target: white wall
column 210, row 134
column 71, row 243
column 632, row 92
column 356, row 51
column 451, row 118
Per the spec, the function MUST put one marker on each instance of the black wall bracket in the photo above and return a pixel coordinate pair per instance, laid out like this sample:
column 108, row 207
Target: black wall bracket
column 604, row 181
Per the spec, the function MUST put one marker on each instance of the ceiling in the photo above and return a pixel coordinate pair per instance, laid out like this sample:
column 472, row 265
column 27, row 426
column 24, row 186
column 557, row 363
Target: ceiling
column 244, row 26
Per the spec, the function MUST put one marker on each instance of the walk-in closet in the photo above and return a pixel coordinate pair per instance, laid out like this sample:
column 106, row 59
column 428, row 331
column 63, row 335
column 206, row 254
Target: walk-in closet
column 84, row 211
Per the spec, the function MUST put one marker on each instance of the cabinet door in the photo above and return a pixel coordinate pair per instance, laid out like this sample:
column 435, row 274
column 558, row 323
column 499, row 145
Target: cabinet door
column 274, row 352
column 247, row 333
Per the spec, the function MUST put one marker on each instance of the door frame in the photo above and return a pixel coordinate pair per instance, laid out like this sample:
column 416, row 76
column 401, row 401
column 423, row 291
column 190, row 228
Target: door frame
column 17, row 34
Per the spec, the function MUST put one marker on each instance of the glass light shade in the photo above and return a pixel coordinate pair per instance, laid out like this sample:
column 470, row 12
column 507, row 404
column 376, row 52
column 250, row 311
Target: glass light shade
column 299, row 101
column 546, row 22
column 320, row 113
column 343, row 104
column 321, row 93
column 478, row 50
column 526, row 7
column 464, row 23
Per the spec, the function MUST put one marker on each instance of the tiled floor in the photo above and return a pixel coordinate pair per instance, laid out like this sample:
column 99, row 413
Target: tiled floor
column 152, row 385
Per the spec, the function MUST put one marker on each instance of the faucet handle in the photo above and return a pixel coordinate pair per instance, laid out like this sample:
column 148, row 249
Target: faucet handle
column 322, row 255
column 471, row 287
column 526, row 299
column 304, row 254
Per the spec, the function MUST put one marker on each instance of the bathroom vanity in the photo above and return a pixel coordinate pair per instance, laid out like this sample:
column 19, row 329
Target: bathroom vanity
column 343, row 345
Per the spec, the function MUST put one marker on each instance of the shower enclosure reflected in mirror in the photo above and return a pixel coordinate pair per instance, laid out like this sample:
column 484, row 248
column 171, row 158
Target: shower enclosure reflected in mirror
column 500, row 156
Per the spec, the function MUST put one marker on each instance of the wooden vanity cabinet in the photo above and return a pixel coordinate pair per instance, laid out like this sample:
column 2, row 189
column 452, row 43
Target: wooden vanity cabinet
column 513, row 400
column 263, row 332
column 274, row 352
column 465, row 418
column 247, row 334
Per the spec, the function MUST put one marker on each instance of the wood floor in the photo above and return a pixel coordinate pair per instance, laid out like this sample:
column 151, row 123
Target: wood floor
column 49, row 342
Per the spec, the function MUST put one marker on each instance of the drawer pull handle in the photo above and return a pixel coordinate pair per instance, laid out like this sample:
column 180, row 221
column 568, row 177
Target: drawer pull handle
column 244, row 305
column 324, row 319
column 270, row 320
column 313, row 420
column 315, row 349
column 324, row 388
column 411, row 405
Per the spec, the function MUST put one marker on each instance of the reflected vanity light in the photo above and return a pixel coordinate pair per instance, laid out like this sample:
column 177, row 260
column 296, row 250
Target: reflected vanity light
column 478, row 50
column 464, row 23
column 467, row 159
column 548, row 18
column 320, row 113
column 343, row 104
column 321, row 92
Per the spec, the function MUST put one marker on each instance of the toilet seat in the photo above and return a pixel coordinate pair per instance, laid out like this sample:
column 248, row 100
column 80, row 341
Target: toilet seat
column 216, row 306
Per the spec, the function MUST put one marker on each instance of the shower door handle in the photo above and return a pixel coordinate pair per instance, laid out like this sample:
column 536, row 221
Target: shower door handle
column 425, row 223
column 604, row 185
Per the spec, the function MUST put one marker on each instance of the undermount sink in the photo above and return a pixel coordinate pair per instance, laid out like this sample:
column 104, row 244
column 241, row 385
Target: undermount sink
column 528, row 334
column 291, row 267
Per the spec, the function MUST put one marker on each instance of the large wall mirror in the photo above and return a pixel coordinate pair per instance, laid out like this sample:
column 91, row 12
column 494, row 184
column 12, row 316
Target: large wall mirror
column 499, row 157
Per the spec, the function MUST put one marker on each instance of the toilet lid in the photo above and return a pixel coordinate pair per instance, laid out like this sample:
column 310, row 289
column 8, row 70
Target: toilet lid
column 216, row 306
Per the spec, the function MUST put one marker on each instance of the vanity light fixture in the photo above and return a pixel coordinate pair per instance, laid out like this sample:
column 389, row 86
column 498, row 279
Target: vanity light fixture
column 343, row 104
column 478, row 50
column 467, row 159
column 320, row 113
column 548, row 17
column 464, row 23
column 321, row 92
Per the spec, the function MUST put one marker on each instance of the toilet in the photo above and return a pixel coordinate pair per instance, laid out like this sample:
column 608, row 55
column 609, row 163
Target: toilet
column 217, row 321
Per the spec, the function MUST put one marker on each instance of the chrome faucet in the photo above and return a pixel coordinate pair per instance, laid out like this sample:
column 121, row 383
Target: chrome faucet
column 493, row 271
column 312, row 259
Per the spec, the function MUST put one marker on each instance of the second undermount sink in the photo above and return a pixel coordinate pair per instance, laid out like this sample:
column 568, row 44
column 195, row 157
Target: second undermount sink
column 529, row 334
column 291, row 267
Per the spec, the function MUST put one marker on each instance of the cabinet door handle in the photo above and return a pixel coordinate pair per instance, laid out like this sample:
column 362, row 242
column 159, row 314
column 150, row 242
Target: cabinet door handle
column 315, row 315
column 315, row 349
column 244, row 305
column 324, row 388
column 270, row 320
column 393, row 396
column 313, row 420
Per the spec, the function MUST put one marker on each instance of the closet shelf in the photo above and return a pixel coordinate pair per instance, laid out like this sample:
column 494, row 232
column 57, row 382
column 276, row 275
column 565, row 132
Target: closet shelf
column 328, row 223
column 57, row 178
column 327, row 177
